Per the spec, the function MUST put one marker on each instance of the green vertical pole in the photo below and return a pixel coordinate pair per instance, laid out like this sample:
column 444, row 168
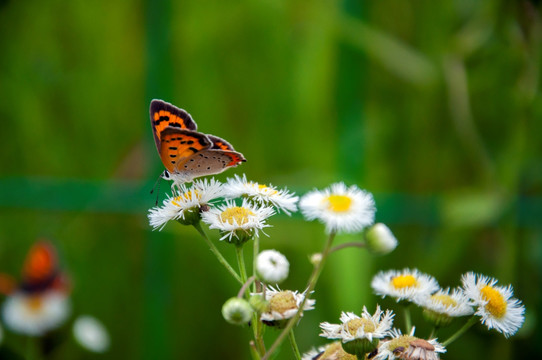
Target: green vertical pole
column 157, row 338
column 354, row 270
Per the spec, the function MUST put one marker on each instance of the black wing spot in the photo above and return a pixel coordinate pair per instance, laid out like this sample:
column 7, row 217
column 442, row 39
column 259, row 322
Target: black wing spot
column 173, row 161
column 208, row 168
column 172, row 155
column 172, row 148
column 193, row 149
column 186, row 166
column 162, row 118
column 190, row 142
column 176, row 125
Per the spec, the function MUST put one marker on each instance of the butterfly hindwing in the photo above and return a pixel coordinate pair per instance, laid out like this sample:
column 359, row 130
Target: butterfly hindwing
column 178, row 145
column 219, row 143
column 211, row 161
column 165, row 115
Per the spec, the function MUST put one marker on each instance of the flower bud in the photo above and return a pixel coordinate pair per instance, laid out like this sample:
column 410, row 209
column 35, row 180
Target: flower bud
column 380, row 239
column 237, row 311
column 272, row 267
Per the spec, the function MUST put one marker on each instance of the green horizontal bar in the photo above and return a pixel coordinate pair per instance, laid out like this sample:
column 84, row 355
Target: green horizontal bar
column 134, row 197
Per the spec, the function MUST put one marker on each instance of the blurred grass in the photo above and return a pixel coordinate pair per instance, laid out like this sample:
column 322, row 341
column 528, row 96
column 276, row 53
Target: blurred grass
column 433, row 106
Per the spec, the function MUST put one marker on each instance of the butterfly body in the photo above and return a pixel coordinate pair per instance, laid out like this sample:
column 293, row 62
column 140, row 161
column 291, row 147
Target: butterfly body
column 185, row 152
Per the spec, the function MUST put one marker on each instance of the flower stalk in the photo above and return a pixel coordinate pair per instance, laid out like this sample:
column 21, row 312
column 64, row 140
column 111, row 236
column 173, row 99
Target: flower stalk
column 217, row 253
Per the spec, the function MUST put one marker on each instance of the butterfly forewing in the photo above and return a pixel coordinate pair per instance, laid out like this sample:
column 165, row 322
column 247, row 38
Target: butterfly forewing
column 178, row 145
column 165, row 115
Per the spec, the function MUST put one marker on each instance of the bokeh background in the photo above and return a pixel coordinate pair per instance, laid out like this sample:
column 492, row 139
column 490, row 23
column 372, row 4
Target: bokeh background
column 434, row 106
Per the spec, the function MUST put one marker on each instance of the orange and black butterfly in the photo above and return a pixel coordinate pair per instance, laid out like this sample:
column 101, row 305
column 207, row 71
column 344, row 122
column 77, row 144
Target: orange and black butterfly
column 185, row 152
column 41, row 270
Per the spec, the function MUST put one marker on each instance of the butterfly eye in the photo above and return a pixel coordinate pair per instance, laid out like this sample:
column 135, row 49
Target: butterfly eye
column 166, row 175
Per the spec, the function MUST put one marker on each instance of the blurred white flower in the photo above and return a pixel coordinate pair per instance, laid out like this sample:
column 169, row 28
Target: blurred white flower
column 339, row 208
column 91, row 334
column 272, row 267
column 35, row 314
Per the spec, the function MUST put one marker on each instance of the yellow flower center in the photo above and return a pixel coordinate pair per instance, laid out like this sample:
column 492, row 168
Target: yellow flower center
column 354, row 324
column 267, row 189
column 34, row 303
column 445, row 300
column 187, row 196
column 338, row 203
column 282, row 302
column 496, row 305
column 236, row 215
column 404, row 281
column 335, row 351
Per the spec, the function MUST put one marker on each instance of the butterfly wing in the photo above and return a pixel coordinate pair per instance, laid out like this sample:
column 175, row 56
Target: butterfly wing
column 219, row 143
column 165, row 115
column 178, row 145
column 211, row 162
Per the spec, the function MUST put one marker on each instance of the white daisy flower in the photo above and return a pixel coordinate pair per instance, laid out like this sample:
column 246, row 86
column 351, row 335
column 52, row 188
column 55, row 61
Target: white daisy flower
column 283, row 304
column 380, row 240
column 354, row 327
column 494, row 304
column 91, row 334
column 341, row 209
column 239, row 222
column 403, row 285
column 186, row 203
column 333, row 351
column 261, row 194
column 442, row 306
column 408, row 347
column 272, row 267
column 35, row 314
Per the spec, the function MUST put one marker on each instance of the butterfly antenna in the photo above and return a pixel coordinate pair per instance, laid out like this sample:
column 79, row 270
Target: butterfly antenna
column 157, row 187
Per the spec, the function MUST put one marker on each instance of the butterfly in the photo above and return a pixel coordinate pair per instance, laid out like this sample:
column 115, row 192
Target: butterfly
column 185, row 152
column 41, row 270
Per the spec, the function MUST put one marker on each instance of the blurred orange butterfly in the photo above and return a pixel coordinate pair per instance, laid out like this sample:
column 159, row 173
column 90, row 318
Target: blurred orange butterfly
column 185, row 152
column 41, row 270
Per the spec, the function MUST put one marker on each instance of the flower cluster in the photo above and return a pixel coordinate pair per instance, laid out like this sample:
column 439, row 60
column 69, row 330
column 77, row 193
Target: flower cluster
column 240, row 210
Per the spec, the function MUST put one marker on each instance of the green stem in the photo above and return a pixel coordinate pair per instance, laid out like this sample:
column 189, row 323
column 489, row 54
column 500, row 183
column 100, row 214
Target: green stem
column 254, row 351
column 295, row 349
column 241, row 262
column 257, row 324
column 33, row 348
column 408, row 319
column 217, row 253
column 460, row 332
column 245, row 286
column 433, row 332
column 310, row 287
column 347, row 245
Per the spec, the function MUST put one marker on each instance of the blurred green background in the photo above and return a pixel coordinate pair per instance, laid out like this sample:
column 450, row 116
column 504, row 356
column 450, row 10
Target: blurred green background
column 434, row 106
